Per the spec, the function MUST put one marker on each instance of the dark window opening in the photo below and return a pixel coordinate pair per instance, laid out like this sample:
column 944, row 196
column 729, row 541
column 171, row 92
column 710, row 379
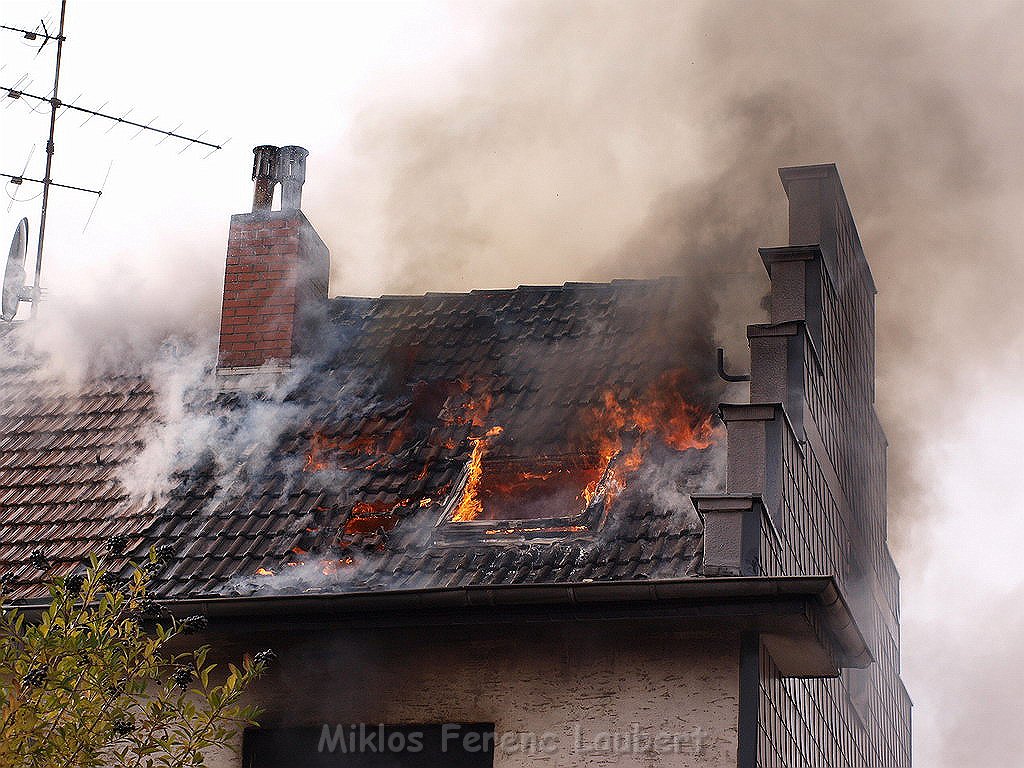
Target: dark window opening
column 530, row 490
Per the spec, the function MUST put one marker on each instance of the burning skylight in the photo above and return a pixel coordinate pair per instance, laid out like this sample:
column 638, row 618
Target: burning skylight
column 475, row 457
column 608, row 445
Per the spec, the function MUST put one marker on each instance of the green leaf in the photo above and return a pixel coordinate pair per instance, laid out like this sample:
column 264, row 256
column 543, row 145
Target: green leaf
column 103, row 670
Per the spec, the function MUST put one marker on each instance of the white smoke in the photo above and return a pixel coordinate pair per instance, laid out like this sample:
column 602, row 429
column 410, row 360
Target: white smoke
column 596, row 140
column 234, row 441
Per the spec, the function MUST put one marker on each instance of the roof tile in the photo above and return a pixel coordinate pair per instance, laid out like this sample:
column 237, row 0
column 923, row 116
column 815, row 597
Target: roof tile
column 403, row 392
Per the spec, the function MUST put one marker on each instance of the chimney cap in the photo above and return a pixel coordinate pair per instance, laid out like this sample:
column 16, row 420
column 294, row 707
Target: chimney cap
column 264, row 161
column 291, row 172
column 291, row 163
column 265, row 174
column 273, row 165
column 294, row 149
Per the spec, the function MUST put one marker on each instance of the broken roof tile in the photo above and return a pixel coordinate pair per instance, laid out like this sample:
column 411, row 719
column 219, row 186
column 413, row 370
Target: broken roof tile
column 531, row 360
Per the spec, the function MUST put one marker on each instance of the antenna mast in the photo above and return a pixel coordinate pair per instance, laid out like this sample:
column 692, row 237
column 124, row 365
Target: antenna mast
column 54, row 104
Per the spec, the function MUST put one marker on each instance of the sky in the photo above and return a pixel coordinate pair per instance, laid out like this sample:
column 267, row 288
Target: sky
column 246, row 73
column 458, row 146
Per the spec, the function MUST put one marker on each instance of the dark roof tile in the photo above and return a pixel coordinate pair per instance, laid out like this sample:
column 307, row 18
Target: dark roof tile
column 405, row 387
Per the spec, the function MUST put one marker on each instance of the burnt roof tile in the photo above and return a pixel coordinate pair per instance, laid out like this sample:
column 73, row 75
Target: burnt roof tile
column 542, row 352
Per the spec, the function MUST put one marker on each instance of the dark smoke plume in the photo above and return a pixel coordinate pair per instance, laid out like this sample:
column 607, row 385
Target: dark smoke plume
column 609, row 140
column 603, row 139
column 593, row 140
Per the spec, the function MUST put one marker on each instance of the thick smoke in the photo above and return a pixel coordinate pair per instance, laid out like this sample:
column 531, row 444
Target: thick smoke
column 611, row 139
column 607, row 139
column 196, row 427
column 129, row 314
column 600, row 140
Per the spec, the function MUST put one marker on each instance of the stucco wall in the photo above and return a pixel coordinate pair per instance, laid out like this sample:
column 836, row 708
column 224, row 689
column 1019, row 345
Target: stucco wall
column 571, row 682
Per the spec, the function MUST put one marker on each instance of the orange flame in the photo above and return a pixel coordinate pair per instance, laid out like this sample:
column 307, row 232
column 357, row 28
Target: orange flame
column 369, row 520
column 608, row 443
column 469, row 505
column 360, row 452
column 615, row 439
column 662, row 412
column 330, row 567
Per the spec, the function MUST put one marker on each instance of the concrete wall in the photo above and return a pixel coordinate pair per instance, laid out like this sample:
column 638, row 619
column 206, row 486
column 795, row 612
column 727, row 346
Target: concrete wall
column 571, row 682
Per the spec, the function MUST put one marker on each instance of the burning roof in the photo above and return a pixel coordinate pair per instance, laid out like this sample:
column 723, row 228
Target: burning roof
column 528, row 435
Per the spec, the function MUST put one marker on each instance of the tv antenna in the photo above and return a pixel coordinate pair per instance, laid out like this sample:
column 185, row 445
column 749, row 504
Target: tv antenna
column 53, row 101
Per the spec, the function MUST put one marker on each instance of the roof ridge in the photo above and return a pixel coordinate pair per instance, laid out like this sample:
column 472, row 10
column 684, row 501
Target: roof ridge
column 522, row 287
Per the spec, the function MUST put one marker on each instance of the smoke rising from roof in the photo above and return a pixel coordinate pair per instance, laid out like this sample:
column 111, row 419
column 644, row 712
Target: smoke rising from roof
column 598, row 140
column 610, row 139
column 127, row 313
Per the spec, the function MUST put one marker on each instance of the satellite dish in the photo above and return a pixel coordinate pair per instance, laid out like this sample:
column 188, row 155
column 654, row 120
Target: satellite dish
column 14, row 291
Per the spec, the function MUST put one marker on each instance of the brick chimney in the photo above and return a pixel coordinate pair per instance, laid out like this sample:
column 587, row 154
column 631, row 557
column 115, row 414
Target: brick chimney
column 275, row 280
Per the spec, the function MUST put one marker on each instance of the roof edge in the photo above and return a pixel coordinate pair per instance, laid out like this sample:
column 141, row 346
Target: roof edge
column 806, row 618
column 842, row 643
